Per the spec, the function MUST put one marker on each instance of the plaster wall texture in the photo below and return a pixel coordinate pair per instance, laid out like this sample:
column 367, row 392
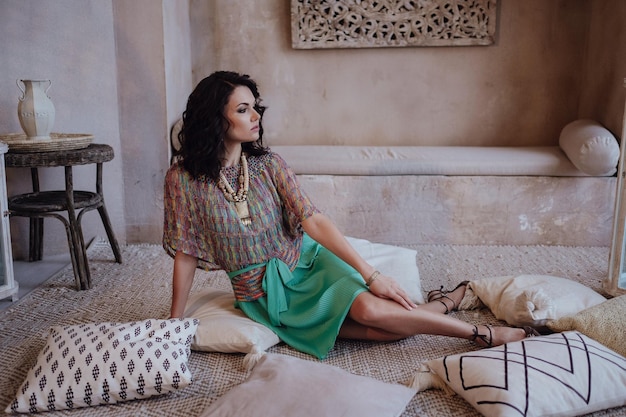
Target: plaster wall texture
column 154, row 76
column 520, row 91
column 467, row 210
column 602, row 99
column 139, row 53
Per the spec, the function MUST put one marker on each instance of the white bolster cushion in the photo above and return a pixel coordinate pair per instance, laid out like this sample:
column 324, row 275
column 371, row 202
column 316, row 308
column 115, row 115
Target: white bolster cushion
column 591, row 147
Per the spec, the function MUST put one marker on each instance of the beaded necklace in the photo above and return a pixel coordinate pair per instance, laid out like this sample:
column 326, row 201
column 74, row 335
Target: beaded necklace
column 240, row 198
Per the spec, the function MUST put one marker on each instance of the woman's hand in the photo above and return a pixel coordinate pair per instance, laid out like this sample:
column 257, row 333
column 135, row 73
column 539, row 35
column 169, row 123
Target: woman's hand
column 386, row 287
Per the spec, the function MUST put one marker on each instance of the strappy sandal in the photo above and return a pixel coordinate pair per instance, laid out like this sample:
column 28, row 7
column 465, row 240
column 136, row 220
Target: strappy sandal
column 531, row 332
column 486, row 339
column 438, row 295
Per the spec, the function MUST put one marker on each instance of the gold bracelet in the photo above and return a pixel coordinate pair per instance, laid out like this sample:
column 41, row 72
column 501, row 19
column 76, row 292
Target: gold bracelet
column 372, row 278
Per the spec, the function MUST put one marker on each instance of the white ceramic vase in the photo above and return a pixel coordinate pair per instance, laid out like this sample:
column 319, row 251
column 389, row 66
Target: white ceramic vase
column 35, row 109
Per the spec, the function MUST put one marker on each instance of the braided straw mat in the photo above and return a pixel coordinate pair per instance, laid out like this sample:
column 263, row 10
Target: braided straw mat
column 19, row 142
column 140, row 288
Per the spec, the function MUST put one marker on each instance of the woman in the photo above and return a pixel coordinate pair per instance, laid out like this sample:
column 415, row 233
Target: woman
column 232, row 204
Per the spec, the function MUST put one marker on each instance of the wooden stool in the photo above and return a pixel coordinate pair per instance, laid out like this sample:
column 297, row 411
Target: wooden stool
column 40, row 204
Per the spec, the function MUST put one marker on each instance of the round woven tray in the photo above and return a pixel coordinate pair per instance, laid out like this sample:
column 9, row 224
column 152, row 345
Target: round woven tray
column 19, row 142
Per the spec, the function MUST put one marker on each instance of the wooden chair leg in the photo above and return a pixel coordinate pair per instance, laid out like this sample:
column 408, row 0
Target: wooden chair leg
column 76, row 233
column 73, row 255
column 79, row 254
column 73, row 244
column 35, row 250
column 110, row 235
column 105, row 217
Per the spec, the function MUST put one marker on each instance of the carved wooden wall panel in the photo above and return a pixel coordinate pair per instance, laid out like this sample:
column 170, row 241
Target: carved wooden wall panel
column 391, row 23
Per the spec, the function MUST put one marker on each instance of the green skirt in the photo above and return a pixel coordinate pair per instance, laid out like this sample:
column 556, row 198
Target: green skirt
column 307, row 306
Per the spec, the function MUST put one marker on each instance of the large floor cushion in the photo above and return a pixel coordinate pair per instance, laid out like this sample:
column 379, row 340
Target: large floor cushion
column 282, row 385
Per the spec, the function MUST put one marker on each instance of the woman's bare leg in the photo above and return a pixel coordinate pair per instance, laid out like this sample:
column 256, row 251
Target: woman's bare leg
column 350, row 329
column 383, row 316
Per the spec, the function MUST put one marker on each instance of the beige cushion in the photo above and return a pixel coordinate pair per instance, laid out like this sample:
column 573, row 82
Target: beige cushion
column 224, row 328
column 531, row 300
column 591, row 147
column 605, row 322
column 427, row 160
column 282, row 385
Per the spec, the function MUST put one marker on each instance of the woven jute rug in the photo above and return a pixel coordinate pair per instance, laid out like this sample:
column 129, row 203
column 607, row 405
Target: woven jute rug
column 140, row 288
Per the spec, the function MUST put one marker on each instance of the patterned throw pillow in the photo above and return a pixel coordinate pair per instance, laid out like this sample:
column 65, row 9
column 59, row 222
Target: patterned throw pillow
column 106, row 363
column 563, row 374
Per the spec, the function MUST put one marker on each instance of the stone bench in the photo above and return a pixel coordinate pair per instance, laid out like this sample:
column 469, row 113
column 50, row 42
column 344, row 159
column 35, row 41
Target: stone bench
column 407, row 195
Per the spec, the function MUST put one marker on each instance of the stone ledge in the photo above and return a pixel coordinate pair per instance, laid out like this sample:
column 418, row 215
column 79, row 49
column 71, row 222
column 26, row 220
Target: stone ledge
column 428, row 160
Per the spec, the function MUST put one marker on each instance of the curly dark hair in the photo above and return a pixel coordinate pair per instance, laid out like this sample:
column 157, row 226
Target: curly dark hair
column 202, row 133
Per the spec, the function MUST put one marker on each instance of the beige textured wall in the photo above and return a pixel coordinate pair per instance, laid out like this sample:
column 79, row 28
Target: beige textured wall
column 154, row 75
column 602, row 95
column 521, row 91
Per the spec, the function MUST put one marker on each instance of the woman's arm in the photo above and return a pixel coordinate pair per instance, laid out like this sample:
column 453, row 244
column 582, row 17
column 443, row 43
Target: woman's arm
column 184, row 272
column 324, row 231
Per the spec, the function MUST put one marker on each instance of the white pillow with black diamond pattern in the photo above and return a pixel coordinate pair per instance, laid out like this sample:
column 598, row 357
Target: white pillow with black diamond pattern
column 106, row 363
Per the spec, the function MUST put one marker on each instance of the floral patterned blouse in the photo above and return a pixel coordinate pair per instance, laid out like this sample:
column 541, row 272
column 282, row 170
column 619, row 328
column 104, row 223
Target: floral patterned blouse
column 200, row 222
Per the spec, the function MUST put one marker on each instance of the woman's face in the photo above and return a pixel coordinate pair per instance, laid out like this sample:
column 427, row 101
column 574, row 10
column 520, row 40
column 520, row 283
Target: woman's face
column 242, row 118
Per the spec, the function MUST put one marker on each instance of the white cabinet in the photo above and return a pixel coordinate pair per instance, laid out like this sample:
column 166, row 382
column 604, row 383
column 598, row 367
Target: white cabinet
column 8, row 286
